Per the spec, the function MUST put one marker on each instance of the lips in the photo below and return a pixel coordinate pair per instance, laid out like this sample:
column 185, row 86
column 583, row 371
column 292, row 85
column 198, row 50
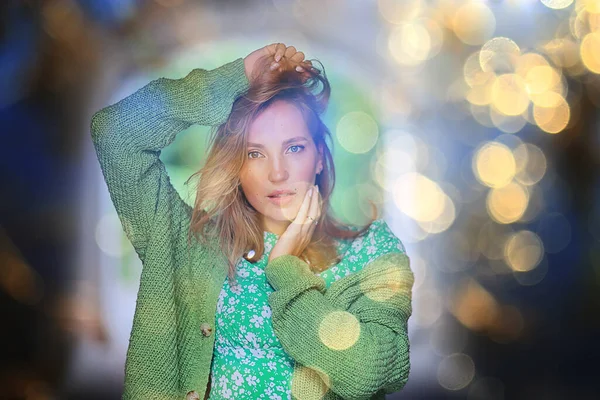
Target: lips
column 280, row 193
column 281, row 199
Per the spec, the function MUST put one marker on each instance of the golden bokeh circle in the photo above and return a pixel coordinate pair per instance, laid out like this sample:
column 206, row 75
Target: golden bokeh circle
column 309, row 383
column 494, row 164
column 590, row 55
column 339, row 330
column 509, row 94
column 474, row 23
column 554, row 117
column 507, row 204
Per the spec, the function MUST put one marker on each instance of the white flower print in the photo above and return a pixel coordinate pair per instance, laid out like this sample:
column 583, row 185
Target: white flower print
column 237, row 288
column 268, row 247
column 247, row 352
column 237, row 378
column 220, row 305
column 222, row 349
column 250, row 337
column 357, row 244
column 266, row 312
column 239, row 352
column 226, row 393
column 252, row 380
column 258, row 353
column 257, row 321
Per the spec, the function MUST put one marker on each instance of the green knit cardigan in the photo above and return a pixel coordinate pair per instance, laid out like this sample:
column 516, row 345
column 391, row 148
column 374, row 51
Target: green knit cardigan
column 168, row 356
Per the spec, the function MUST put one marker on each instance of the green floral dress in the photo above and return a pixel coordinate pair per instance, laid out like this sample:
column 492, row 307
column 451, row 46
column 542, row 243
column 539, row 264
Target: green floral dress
column 248, row 359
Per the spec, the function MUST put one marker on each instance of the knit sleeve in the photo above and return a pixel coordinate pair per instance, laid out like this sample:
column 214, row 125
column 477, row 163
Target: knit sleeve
column 129, row 135
column 353, row 337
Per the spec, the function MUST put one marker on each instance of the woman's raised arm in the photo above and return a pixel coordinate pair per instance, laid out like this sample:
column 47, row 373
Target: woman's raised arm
column 129, row 135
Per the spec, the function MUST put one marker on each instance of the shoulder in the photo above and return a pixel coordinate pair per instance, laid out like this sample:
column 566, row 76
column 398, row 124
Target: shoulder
column 380, row 234
column 376, row 241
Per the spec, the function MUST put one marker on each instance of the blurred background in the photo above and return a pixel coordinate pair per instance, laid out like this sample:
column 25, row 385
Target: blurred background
column 473, row 125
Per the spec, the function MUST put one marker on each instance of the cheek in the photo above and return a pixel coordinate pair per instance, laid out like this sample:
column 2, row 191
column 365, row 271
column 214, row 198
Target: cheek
column 251, row 185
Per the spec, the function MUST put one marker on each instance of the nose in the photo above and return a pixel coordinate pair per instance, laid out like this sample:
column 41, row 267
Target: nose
column 278, row 170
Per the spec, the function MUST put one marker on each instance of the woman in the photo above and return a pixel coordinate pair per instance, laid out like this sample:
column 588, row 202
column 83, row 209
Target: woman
column 311, row 308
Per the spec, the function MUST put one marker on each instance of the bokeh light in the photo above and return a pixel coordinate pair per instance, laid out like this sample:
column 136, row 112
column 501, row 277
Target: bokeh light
column 357, row 132
column 494, row 165
column 339, row 330
column 589, row 52
column 456, row 371
column 309, row 383
column 508, row 203
column 523, row 251
column 557, row 4
column 474, row 23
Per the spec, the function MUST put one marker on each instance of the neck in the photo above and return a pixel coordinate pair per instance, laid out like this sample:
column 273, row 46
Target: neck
column 274, row 226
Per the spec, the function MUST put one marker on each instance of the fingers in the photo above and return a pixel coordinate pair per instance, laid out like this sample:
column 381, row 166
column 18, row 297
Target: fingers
column 314, row 211
column 289, row 52
column 279, row 51
column 297, row 57
column 303, row 211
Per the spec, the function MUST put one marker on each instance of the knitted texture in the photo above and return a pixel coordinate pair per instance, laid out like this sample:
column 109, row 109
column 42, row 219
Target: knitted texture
column 350, row 340
column 354, row 334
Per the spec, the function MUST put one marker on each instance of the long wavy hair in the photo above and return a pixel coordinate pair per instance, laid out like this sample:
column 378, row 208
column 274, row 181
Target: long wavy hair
column 221, row 205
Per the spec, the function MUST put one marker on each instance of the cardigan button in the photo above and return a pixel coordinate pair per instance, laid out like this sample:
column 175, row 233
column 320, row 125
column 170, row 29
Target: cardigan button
column 193, row 395
column 206, row 329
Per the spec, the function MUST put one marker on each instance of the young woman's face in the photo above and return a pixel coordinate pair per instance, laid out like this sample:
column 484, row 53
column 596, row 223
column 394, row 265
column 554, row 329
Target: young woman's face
column 281, row 155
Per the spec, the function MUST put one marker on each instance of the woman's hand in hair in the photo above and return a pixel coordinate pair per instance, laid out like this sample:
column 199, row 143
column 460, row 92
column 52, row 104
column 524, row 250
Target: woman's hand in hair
column 299, row 233
column 280, row 58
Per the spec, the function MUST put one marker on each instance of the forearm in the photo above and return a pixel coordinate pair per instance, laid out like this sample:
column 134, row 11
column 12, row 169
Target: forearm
column 150, row 118
column 357, row 340
column 129, row 135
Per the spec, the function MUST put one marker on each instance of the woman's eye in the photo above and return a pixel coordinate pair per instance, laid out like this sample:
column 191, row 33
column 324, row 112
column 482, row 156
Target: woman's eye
column 299, row 146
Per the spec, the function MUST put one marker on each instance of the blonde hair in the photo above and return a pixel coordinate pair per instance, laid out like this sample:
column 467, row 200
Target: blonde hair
column 221, row 204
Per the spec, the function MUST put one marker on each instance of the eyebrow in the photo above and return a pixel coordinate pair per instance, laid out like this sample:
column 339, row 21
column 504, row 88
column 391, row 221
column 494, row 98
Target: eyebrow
column 297, row 138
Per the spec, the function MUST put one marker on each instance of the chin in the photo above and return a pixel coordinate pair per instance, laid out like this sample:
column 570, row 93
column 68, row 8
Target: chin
column 284, row 214
column 279, row 216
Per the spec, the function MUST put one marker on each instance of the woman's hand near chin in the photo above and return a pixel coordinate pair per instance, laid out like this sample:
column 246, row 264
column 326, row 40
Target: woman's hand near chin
column 299, row 233
column 281, row 58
